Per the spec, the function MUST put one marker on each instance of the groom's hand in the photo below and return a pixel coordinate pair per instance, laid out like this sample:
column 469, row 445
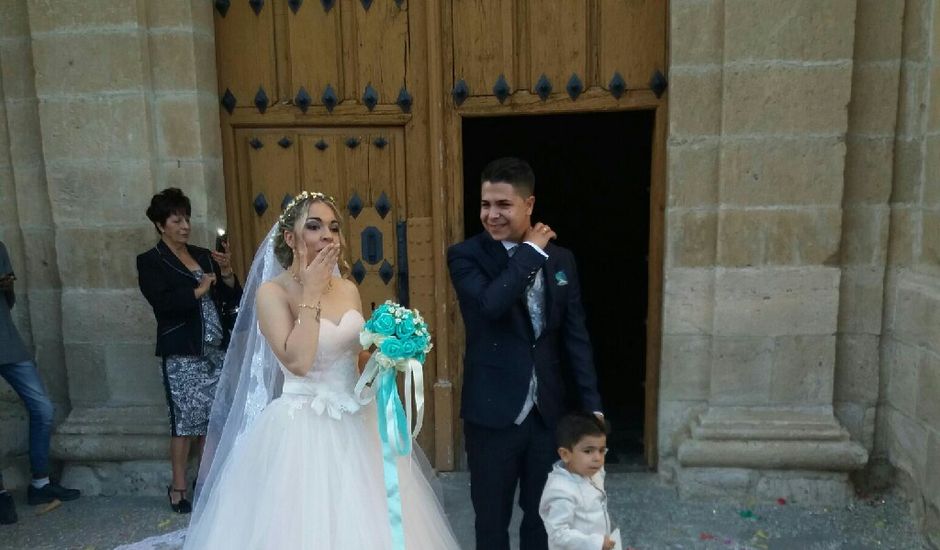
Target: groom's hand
column 539, row 235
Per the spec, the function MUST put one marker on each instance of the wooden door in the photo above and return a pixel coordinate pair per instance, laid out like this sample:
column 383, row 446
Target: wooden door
column 297, row 74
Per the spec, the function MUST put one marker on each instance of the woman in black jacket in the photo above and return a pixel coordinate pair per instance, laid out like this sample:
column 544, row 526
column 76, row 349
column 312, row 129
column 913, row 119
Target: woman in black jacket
column 190, row 290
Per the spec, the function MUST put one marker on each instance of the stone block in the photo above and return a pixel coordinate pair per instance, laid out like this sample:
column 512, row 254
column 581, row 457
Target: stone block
column 685, row 367
column 933, row 102
column 802, row 30
column 206, row 77
column 688, row 301
column 861, row 298
column 878, row 27
column 776, row 301
column 96, row 129
column 178, row 127
column 931, row 194
column 907, row 446
column 912, row 100
column 210, row 133
column 802, row 371
column 16, row 70
column 134, row 374
column 673, row 423
column 75, row 15
column 26, row 152
column 174, row 14
column 88, row 62
column 909, row 164
column 902, row 364
column 868, row 170
column 773, row 100
column 857, row 368
column 901, row 236
column 695, row 32
column 41, row 271
column 932, row 488
column 45, row 315
column 874, row 105
column 783, row 237
column 693, row 174
column 716, row 483
column 865, row 234
column 117, row 315
column 917, row 318
column 126, row 478
column 915, row 45
column 859, row 420
column 695, row 100
column 769, row 172
column 930, row 238
column 15, row 20
column 826, row 489
column 928, row 394
column 103, row 257
column 88, row 378
column 741, row 370
column 118, row 191
column 691, row 237
column 173, row 60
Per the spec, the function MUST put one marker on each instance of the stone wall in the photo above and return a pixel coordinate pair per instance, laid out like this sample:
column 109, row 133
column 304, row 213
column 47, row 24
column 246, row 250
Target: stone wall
column 119, row 101
column 757, row 145
column 908, row 433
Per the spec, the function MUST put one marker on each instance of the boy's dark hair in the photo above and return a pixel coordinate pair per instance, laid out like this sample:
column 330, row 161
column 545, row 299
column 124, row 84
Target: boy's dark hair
column 516, row 172
column 574, row 426
column 166, row 203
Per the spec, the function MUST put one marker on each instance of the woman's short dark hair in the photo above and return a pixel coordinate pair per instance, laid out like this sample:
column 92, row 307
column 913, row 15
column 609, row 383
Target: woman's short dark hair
column 574, row 426
column 166, row 203
column 516, row 172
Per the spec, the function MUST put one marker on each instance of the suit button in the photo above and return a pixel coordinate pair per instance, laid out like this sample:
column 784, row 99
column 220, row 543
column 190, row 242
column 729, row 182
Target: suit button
column 533, row 346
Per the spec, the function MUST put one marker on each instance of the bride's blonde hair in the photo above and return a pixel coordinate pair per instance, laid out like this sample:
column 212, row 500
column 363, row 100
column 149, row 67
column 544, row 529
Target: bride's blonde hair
column 299, row 205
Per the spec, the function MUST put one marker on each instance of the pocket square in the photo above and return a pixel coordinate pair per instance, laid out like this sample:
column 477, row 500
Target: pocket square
column 560, row 278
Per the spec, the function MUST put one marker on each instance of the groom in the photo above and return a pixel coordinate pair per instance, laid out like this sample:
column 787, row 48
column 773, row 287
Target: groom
column 521, row 307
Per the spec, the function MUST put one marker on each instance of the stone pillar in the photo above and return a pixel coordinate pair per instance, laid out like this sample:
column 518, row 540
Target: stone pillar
column 28, row 230
column 784, row 80
column 127, row 106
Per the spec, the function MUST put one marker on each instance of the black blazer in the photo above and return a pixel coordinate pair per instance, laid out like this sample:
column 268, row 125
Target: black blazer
column 501, row 345
column 168, row 285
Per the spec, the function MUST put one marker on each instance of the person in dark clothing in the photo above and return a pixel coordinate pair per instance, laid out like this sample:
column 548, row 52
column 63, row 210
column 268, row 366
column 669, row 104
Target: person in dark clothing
column 19, row 369
column 191, row 290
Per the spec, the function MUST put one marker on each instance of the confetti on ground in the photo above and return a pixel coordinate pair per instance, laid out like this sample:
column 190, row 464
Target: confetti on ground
column 706, row 536
column 164, row 524
column 781, row 501
column 49, row 507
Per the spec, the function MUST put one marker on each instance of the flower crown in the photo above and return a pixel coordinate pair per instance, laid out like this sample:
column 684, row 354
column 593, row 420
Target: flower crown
column 303, row 196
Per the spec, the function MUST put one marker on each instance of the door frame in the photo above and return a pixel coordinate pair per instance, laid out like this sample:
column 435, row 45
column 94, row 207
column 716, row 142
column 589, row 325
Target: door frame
column 592, row 101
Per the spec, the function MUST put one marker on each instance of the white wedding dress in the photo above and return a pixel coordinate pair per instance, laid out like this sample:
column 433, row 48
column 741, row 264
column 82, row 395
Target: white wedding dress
column 308, row 472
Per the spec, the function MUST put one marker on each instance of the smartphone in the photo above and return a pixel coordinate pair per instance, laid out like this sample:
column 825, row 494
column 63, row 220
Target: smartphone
column 220, row 241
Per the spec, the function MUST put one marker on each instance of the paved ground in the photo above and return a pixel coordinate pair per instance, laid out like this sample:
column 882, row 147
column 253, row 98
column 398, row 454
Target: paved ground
column 648, row 512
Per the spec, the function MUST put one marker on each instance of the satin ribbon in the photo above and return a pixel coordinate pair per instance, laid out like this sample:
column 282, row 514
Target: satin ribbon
column 395, row 423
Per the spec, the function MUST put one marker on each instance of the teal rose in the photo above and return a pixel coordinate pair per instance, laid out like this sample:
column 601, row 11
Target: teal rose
column 408, row 348
column 392, row 347
column 406, row 327
column 383, row 323
column 420, row 342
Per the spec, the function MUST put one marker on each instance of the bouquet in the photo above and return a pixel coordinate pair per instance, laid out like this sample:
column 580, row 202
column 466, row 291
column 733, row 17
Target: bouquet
column 402, row 341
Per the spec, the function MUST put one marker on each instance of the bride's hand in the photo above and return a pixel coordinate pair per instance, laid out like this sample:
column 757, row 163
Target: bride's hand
column 315, row 275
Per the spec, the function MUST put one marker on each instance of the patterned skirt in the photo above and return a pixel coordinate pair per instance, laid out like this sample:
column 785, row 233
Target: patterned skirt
column 190, row 382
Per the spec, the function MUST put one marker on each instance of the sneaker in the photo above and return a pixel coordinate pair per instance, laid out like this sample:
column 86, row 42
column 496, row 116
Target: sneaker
column 51, row 491
column 7, row 509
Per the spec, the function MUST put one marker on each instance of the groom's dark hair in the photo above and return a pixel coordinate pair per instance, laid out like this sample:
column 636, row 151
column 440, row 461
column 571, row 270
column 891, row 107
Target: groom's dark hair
column 574, row 426
column 516, row 172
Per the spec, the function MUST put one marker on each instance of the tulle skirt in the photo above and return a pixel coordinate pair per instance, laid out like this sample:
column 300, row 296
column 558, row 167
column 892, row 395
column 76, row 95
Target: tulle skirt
column 301, row 479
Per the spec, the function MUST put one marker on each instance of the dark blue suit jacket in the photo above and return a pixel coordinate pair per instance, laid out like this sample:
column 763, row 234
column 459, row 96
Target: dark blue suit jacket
column 501, row 345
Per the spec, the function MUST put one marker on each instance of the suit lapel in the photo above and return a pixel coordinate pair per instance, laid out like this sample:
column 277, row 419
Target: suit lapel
column 547, row 271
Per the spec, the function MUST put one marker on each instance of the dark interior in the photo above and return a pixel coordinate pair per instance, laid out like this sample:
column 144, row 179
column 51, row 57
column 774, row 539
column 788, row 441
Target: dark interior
column 592, row 174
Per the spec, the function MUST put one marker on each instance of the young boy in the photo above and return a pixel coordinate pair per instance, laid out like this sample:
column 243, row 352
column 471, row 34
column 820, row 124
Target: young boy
column 574, row 504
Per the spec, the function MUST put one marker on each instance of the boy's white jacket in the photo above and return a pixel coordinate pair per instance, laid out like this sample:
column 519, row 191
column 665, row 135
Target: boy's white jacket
column 574, row 509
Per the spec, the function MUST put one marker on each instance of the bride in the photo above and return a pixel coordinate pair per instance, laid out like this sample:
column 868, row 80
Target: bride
column 303, row 470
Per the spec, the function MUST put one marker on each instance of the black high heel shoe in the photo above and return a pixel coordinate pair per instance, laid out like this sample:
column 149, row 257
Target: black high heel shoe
column 181, row 507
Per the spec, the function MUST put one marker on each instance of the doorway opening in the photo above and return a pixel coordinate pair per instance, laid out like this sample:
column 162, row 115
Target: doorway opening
column 592, row 185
